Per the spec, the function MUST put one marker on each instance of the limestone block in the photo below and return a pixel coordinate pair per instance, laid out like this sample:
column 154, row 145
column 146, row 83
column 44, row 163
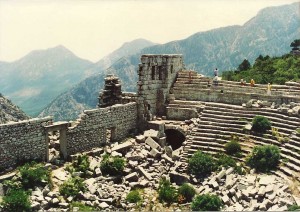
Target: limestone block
column 266, row 180
column 103, row 205
column 140, row 139
column 229, row 171
column 178, row 178
column 151, row 133
column 167, row 158
column 152, row 143
column 133, row 177
column 155, row 153
column 226, row 200
column 262, row 191
column 146, row 174
column 221, row 174
column 124, row 146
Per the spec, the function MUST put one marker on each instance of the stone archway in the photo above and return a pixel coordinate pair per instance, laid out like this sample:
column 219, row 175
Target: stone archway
column 175, row 138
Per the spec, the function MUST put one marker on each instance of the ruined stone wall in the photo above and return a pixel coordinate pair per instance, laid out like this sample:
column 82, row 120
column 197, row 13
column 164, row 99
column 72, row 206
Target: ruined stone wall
column 157, row 74
column 90, row 131
column 22, row 141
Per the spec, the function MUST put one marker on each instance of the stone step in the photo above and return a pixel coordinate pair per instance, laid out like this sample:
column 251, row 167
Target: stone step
column 249, row 115
column 248, row 112
column 290, row 152
column 229, row 131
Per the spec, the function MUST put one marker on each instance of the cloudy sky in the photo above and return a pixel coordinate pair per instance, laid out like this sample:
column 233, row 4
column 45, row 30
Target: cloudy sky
column 93, row 28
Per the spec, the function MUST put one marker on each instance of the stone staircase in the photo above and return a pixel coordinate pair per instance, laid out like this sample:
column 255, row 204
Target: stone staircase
column 218, row 122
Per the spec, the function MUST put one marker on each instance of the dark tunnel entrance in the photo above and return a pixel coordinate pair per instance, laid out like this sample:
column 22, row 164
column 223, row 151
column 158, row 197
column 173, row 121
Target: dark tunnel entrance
column 174, row 138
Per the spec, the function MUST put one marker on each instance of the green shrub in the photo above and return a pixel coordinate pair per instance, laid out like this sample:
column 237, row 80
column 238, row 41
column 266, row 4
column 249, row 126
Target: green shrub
column 233, row 147
column 80, row 164
column 293, row 207
column 166, row 192
column 201, row 164
column 81, row 206
column 34, row 174
column 264, row 158
column 72, row 186
column 260, row 124
column 186, row 192
column 225, row 161
column 112, row 165
column 133, row 196
column 206, row 202
column 16, row 200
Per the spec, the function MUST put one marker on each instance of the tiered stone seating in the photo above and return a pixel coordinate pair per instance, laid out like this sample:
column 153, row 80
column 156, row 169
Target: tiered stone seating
column 199, row 88
column 219, row 121
column 222, row 115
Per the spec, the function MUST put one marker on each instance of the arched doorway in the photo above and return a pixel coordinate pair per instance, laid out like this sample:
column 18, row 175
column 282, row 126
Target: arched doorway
column 175, row 138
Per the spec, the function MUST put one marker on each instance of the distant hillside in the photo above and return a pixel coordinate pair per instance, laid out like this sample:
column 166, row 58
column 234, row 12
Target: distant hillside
column 270, row 32
column 277, row 70
column 9, row 111
column 35, row 79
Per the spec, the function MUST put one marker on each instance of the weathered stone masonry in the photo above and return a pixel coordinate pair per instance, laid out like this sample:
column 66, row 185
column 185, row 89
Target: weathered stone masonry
column 23, row 141
column 91, row 130
column 157, row 74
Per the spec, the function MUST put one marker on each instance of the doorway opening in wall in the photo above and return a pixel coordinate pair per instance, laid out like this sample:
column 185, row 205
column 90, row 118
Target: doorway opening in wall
column 110, row 134
column 175, row 138
column 54, row 146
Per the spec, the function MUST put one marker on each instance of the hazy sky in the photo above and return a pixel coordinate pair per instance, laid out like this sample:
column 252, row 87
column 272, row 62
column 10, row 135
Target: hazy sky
column 92, row 29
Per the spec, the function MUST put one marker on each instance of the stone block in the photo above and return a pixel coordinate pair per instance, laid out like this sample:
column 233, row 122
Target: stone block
column 146, row 174
column 167, row 158
column 155, row 153
column 153, row 144
column 122, row 147
column 226, row 200
column 140, row 138
column 178, row 178
column 262, row 191
column 151, row 133
column 133, row 177
column 266, row 180
column 221, row 174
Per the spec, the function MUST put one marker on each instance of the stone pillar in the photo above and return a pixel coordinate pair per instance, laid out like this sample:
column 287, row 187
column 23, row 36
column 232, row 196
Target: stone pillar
column 112, row 93
column 63, row 142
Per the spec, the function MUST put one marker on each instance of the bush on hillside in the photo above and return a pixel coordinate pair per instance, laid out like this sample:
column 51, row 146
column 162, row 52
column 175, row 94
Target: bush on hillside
column 233, row 147
column 112, row 165
column 264, row 158
column 166, row 192
column 260, row 124
column 186, row 192
column 133, row 196
column 206, row 202
column 72, row 187
column 80, row 164
column 16, row 200
column 201, row 164
column 34, row 174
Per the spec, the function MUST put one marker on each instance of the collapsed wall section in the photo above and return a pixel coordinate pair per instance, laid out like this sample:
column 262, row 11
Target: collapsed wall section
column 23, row 141
column 157, row 74
column 91, row 129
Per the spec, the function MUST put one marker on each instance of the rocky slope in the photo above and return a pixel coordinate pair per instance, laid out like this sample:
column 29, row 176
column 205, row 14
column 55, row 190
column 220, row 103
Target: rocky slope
column 270, row 32
column 146, row 163
column 9, row 111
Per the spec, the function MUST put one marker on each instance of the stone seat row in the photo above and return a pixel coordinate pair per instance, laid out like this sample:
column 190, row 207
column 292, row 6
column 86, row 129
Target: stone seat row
column 202, row 136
